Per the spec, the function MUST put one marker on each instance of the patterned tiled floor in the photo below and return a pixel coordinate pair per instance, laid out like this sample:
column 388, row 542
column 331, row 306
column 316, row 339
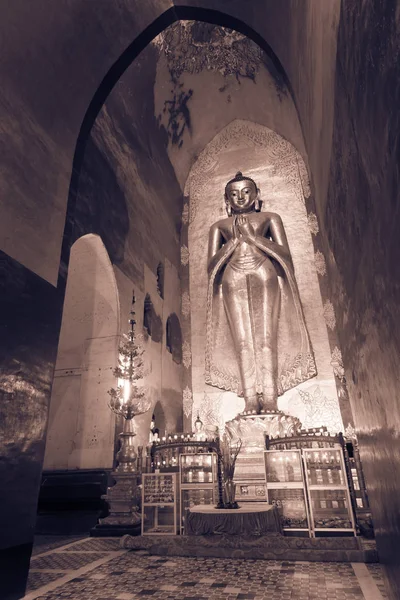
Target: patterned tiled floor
column 375, row 570
column 123, row 575
column 44, row 543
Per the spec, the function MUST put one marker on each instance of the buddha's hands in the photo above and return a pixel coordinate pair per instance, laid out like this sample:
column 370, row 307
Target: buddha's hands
column 244, row 227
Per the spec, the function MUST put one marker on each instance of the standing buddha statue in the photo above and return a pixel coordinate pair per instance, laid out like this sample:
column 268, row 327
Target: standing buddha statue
column 257, row 341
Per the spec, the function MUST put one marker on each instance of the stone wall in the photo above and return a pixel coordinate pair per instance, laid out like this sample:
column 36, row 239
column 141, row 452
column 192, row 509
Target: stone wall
column 30, row 316
column 362, row 221
column 128, row 195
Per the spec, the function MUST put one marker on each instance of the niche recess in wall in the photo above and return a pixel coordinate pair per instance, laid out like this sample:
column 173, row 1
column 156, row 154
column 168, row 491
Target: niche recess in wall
column 174, row 338
column 147, row 314
column 160, row 280
column 152, row 323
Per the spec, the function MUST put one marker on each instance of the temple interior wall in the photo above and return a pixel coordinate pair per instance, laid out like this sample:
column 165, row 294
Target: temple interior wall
column 362, row 223
column 341, row 59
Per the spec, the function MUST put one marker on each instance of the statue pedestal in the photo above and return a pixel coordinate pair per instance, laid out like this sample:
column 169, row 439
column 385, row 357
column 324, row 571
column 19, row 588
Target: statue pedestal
column 124, row 517
column 250, row 467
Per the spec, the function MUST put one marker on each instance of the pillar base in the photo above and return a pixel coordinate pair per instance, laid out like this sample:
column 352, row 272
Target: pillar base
column 122, row 498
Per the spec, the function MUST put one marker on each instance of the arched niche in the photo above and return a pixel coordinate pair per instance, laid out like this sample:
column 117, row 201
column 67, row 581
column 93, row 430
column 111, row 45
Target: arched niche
column 280, row 172
column 173, row 337
column 160, row 280
column 159, row 418
column 81, row 425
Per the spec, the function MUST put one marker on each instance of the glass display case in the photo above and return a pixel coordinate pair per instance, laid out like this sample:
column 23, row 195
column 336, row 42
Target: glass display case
column 328, row 490
column 198, row 481
column 159, row 504
column 286, row 488
column 193, row 497
column 197, row 469
column 292, row 508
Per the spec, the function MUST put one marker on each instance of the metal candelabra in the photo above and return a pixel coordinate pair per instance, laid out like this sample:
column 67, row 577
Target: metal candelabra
column 128, row 400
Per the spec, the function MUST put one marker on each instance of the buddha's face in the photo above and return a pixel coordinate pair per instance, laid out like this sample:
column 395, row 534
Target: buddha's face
column 241, row 195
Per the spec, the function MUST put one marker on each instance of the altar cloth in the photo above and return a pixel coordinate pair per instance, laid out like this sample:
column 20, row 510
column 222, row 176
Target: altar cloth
column 250, row 519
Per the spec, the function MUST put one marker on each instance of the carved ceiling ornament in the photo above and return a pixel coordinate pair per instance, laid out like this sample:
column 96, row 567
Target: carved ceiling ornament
column 282, row 157
column 194, row 46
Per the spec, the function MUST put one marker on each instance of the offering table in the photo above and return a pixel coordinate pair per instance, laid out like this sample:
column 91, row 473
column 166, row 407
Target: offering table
column 250, row 519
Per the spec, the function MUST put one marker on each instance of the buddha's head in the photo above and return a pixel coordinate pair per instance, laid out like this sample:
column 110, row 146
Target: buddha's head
column 241, row 195
column 198, row 424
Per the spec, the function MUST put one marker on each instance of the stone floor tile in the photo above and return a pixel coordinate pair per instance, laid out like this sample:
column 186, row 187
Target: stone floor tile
column 137, row 575
column 168, row 588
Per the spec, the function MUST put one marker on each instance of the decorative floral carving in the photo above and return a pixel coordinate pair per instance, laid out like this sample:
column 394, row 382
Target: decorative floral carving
column 186, row 355
column 185, row 214
column 209, row 412
column 193, row 46
column 280, row 154
column 304, row 179
column 185, row 255
column 185, row 304
column 350, row 432
column 337, row 363
column 329, row 315
column 187, row 398
column 319, row 261
column 253, row 429
column 313, row 223
column 314, row 409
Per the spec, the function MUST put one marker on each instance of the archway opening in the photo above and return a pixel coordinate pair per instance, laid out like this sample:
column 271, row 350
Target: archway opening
column 81, row 426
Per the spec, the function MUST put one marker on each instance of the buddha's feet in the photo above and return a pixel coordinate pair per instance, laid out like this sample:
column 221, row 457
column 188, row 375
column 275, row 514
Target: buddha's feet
column 268, row 404
column 252, row 405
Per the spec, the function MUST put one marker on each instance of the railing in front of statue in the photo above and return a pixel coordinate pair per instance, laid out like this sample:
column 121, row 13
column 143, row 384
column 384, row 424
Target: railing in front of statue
column 164, row 454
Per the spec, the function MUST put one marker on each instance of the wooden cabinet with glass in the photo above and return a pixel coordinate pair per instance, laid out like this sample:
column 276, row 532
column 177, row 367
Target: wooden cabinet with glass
column 328, row 491
column 286, row 489
column 198, row 481
column 159, row 504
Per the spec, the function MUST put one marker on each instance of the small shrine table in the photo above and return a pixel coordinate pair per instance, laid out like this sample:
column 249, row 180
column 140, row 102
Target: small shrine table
column 251, row 518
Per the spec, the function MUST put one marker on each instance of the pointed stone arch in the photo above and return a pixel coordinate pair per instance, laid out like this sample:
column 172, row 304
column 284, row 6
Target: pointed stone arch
column 81, row 426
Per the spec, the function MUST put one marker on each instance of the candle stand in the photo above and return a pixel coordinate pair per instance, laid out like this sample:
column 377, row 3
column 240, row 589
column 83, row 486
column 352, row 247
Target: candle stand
column 127, row 401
